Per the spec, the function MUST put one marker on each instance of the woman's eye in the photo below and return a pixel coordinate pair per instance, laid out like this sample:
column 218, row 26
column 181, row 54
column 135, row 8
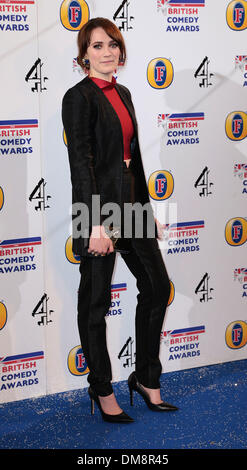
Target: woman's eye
column 113, row 45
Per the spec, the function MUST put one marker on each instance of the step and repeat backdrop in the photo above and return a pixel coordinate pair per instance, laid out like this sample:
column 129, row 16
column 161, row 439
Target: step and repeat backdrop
column 187, row 73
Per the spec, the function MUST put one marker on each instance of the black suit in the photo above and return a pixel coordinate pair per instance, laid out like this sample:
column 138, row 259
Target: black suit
column 95, row 148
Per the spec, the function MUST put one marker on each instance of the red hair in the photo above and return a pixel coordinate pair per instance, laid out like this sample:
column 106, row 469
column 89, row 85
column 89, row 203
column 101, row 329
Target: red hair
column 84, row 37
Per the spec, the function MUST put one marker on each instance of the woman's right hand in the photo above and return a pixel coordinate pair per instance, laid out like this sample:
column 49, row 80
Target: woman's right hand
column 99, row 242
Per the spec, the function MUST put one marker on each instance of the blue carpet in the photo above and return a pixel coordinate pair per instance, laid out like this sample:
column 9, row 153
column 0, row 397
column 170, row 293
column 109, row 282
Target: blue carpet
column 212, row 415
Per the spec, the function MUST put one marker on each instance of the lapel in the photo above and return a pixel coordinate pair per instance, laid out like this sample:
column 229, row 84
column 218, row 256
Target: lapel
column 128, row 105
column 123, row 96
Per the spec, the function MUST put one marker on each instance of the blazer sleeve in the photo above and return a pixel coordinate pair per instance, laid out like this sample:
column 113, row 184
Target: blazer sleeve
column 76, row 117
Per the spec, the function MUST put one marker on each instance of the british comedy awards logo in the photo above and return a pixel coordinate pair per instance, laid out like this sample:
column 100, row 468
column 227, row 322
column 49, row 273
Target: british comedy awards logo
column 181, row 16
column 240, row 275
column 116, row 297
column 241, row 67
column 183, row 237
column 18, row 255
column 181, row 129
column 16, row 15
column 20, row 371
column 16, row 137
column 183, row 343
column 240, row 171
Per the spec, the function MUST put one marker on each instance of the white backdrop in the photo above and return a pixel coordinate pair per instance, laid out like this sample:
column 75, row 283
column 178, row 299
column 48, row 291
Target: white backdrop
column 188, row 82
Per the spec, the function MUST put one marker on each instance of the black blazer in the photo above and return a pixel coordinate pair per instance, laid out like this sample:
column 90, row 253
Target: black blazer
column 95, row 149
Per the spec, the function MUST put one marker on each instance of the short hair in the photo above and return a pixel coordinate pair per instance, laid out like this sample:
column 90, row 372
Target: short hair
column 84, row 37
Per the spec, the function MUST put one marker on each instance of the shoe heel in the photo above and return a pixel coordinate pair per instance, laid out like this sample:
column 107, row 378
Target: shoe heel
column 92, row 406
column 131, row 397
column 119, row 418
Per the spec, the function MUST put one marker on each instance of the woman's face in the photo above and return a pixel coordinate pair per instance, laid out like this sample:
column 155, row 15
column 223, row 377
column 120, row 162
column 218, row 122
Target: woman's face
column 103, row 54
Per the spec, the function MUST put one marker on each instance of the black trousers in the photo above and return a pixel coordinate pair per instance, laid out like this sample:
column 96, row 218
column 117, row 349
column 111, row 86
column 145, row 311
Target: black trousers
column 94, row 299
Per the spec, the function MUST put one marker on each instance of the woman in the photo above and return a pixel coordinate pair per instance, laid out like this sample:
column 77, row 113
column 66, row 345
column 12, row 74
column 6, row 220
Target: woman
column 105, row 163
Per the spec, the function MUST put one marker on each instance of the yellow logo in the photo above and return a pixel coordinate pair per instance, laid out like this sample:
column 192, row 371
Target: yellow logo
column 236, row 334
column 236, row 15
column 74, row 14
column 160, row 185
column 1, row 198
column 76, row 362
column 236, row 125
column 65, row 138
column 160, row 73
column 3, row 315
column 69, row 253
column 172, row 293
column 236, row 231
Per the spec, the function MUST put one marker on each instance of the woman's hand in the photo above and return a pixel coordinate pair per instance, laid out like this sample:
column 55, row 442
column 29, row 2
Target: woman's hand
column 160, row 229
column 99, row 243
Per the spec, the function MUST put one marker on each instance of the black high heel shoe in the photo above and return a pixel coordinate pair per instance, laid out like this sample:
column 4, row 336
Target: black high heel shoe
column 135, row 385
column 120, row 418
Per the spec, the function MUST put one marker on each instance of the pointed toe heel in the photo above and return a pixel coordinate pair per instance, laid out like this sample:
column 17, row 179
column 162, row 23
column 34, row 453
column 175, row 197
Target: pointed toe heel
column 119, row 418
column 133, row 384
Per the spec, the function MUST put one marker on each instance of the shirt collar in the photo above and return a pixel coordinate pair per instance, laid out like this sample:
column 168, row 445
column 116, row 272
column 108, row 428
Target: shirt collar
column 104, row 83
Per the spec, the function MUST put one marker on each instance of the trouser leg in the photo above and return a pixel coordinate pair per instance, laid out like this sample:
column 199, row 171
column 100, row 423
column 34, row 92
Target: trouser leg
column 147, row 265
column 94, row 300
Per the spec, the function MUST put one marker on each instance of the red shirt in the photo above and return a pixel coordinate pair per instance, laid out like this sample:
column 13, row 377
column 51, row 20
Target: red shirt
column 111, row 93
